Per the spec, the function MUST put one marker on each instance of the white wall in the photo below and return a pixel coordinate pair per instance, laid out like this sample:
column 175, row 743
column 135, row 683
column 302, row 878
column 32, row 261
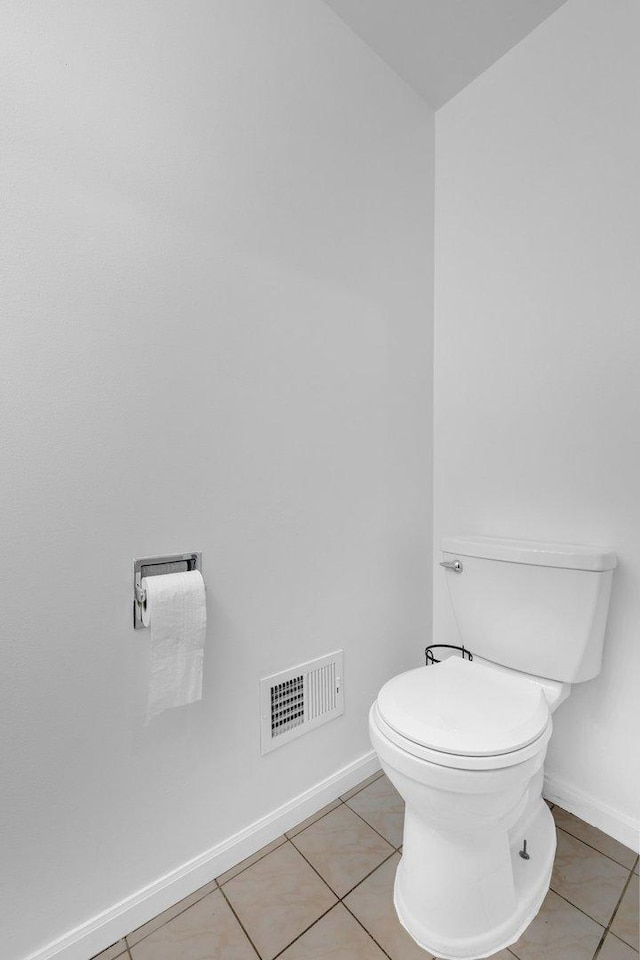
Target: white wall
column 218, row 275
column 537, row 346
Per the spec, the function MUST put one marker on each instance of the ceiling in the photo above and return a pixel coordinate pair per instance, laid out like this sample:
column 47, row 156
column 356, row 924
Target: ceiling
column 439, row 46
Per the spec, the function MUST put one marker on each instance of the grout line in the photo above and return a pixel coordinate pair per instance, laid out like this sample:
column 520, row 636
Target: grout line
column 346, row 804
column 366, row 783
column 617, row 907
column 626, row 883
column 607, row 928
column 393, row 852
column 571, row 904
column 510, row 948
column 230, row 905
column 370, row 826
column 351, row 889
column 624, row 890
column 178, row 914
column 368, row 932
column 308, row 862
column 591, row 847
column 340, row 900
column 599, row 947
column 338, row 802
column 579, row 909
column 286, row 839
column 321, row 917
column 253, row 862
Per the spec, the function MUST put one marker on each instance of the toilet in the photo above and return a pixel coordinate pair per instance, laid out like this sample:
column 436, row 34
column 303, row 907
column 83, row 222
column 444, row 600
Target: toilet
column 464, row 739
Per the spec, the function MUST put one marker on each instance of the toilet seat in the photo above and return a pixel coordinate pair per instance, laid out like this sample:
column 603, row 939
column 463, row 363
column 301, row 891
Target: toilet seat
column 461, row 714
column 457, row 761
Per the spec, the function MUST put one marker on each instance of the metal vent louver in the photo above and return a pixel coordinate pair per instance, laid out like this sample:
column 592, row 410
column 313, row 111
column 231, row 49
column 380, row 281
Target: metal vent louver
column 287, row 705
column 301, row 698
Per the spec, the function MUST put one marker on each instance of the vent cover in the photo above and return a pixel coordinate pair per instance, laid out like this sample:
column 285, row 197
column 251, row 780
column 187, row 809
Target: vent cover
column 297, row 700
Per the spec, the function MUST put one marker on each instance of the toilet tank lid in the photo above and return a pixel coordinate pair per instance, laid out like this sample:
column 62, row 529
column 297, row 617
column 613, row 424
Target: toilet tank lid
column 570, row 555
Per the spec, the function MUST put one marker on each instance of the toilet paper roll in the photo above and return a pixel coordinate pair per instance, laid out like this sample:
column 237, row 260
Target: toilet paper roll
column 176, row 613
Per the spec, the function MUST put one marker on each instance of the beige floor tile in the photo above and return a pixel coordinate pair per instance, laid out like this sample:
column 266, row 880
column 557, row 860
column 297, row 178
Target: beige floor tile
column 614, row 949
column 594, row 837
column 208, row 930
column 277, row 898
column 141, row 932
column 112, row 952
column 312, row 819
column 635, row 869
column 342, row 848
column 360, row 786
column 372, row 904
column 587, row 878
column 258, row 855
column 336, row 937
column 625, row 923
column 559, row 932
column 381, row 806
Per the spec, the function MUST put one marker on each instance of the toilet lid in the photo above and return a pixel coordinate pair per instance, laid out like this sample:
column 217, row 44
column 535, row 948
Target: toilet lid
column 464, row 708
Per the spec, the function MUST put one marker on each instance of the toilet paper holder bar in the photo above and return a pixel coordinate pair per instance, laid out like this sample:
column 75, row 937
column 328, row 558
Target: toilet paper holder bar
column 153, row 567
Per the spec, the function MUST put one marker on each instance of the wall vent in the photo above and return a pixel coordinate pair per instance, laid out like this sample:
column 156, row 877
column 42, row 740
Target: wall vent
column 299, row 699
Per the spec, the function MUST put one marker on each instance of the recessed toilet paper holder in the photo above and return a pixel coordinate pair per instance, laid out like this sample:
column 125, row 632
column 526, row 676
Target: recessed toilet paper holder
column 153, row 567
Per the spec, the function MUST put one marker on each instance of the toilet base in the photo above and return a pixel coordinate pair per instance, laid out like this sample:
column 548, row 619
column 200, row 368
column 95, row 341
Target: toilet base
column 529, row 881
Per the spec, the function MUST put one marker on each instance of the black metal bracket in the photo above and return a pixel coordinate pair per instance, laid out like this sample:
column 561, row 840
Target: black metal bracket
column 429, row 657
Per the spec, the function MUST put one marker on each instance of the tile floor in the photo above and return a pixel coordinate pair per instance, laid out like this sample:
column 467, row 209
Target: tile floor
column 323, row 891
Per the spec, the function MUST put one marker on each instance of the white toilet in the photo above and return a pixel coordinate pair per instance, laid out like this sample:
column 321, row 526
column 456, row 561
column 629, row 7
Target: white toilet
column 464, row 741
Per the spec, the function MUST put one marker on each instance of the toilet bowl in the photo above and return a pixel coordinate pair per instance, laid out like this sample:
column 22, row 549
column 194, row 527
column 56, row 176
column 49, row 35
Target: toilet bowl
column 462, row 890
column 464, row 740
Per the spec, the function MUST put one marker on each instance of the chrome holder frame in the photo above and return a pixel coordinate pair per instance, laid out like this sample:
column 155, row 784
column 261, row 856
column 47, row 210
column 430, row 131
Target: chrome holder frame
column 153, row 567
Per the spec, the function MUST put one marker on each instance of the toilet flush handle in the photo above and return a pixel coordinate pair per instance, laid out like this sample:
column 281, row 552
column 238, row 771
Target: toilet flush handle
column 454, row 565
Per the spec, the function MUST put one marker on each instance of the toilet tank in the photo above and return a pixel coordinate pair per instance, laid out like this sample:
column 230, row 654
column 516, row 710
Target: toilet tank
column 536, row 607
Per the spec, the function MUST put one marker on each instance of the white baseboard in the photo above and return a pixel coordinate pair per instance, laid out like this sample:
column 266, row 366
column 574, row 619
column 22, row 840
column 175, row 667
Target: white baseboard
column 598, row 814
column 106, row 928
